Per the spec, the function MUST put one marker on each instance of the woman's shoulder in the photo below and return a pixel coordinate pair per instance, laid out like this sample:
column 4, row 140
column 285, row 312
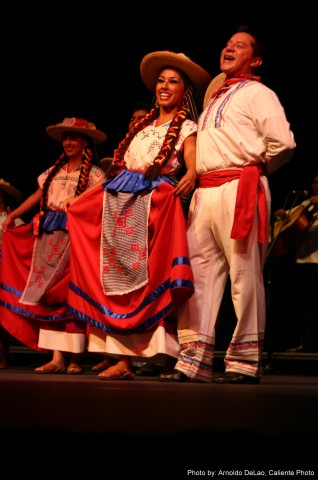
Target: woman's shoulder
column 188, row 121
column 189, row 126
column 96, row 173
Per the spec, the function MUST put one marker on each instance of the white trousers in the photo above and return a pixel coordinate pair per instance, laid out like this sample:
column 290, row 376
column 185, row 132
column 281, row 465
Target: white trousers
column 214, row 256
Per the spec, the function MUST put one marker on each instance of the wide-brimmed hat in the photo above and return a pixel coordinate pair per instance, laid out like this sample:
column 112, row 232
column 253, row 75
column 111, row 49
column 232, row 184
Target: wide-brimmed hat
column 10, row 190
column 76, row 125
column 152, row 64
column 213, row 86
column 105, row 162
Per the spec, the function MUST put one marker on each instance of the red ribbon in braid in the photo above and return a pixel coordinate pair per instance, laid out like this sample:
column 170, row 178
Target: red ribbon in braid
column 153, row 171
column 119, row 163
column 171, row 136
column 87, row 155
column 39, row 217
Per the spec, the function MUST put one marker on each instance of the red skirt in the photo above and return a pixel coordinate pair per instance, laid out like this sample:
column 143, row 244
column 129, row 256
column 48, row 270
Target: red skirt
column 24, row 321
column 170, row 279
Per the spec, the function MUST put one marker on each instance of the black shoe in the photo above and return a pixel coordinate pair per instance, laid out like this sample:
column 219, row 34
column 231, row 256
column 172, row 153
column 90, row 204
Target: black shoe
column 237, row 378
column 149, row 370
column 174, row 376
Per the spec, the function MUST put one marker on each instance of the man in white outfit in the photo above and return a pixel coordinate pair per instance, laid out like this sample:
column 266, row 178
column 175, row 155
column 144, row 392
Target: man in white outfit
column 243, row 136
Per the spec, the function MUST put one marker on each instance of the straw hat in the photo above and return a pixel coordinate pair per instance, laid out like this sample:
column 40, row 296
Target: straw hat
column 213, row 86
column 106, row 162
column 76, row 125
column 152, row 64
column 12, row 191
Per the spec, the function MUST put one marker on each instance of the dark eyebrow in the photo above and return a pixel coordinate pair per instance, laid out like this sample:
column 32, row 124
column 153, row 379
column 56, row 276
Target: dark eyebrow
column 170, row 78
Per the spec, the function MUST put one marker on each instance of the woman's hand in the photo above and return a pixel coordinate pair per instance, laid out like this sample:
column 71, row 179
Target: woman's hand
column 8, row 221
column 186, row 184
column 68, row 202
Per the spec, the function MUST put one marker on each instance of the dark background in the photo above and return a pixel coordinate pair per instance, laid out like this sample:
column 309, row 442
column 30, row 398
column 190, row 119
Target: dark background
column 76, row 58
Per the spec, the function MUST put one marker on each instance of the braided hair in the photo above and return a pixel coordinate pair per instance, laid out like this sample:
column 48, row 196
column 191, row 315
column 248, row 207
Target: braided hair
column 87, row 162
column 187, row 110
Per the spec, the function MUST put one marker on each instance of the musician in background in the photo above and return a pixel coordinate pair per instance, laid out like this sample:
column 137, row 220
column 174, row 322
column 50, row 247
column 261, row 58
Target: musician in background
column 306, row 275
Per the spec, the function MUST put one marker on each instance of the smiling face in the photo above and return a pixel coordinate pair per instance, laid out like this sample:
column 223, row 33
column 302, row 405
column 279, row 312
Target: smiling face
column 238, row 55
column 169, row 88
column 73, row 144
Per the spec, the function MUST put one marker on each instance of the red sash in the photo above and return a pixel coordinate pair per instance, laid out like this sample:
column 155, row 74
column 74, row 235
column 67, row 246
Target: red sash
column 250, row 189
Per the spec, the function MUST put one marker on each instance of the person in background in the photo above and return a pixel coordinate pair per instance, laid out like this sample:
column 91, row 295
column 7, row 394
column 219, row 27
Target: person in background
column 105, row 163
column 140, row 110
column 133, row 292
column 10, row 197
column 36, row 276
column 305, row 223
column 243, row 137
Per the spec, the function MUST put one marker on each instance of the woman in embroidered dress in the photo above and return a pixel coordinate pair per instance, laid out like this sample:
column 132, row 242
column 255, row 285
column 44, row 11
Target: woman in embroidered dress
column 35, row 280
column 139, row 111
column 10, row 197
column 132, row 227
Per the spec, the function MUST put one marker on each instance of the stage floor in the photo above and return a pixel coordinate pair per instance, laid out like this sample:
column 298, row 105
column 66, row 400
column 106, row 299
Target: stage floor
column 62, row 426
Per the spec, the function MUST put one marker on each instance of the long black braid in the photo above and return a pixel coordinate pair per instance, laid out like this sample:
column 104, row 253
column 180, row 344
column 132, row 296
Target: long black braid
column 87, row 162
column 188, row 110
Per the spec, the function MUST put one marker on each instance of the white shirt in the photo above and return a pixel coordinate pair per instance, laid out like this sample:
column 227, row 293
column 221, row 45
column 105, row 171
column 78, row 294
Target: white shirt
column 64, row 184
column 244, row 126
column 147, row 143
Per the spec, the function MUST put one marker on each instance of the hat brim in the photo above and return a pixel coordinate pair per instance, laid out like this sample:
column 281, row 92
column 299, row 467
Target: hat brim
column 56, row 132
column 152, row 64
column 213, row 86
column 12, row 191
